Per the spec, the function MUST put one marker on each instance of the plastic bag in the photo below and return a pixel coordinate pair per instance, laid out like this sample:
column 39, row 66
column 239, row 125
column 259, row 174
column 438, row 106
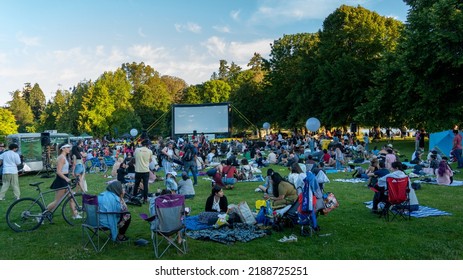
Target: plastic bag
column 222, row 220
column 322, row 178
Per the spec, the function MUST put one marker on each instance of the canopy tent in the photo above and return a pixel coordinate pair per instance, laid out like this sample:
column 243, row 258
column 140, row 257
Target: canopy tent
column 442, row 141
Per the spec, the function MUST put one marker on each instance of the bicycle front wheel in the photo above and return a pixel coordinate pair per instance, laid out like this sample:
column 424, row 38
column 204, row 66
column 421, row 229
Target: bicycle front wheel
column 25, row 214
column 71, row 204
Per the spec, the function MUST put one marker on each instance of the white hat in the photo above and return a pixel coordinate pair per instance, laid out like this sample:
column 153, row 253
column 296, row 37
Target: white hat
column 389, row 145
column 66, row 146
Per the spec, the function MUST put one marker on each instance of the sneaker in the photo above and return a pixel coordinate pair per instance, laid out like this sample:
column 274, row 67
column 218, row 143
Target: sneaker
column 78, row 216
column 291, row 238
column 258, row 190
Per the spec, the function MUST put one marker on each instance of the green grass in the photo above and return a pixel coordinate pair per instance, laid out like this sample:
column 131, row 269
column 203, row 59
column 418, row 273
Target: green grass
column 351, row 231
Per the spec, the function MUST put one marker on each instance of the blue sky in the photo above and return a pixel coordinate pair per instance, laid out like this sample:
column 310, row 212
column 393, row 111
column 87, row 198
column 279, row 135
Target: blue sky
column 58, row 43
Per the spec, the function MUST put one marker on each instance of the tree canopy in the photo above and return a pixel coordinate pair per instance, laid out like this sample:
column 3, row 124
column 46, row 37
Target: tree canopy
column 360, row 67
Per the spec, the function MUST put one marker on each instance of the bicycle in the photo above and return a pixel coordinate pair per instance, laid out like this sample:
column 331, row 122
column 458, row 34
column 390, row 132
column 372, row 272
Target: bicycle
column 28, row 214
column 95, row 165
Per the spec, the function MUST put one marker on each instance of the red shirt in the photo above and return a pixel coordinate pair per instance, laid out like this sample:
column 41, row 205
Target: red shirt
column 457, row 141
column 326, row 157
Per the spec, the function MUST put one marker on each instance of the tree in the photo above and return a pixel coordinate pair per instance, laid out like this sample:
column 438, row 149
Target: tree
column 57, row 113
column 216, row 91
column 104, row 102
column 22, row 112
column 175, row 87
column 192, row 95
column 352, row 44
column 138, row 74
column 284, row 77
column 432, row 58
column 36, row 100
column 8, row 122
column 419, row 83
column 247, row 95
column 247, row 99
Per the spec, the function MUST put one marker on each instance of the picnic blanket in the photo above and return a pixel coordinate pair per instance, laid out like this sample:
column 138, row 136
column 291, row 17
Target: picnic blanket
column 353, row 180
column 434, row 182
column 193, row 223
column 256, row 178
column 423, row 211
column 331, row 170
column 228, row 235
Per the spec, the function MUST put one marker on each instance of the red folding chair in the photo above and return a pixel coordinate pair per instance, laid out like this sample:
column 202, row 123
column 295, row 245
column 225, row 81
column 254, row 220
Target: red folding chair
column 398, row 201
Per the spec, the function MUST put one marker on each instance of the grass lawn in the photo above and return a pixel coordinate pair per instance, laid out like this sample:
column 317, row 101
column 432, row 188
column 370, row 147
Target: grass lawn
column 350, row 232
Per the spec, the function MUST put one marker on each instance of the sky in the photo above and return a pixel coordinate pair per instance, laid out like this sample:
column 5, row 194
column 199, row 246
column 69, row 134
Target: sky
column 59, row 43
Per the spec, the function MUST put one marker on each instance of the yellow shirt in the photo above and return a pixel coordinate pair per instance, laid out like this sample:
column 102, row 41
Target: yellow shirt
column 142, row 159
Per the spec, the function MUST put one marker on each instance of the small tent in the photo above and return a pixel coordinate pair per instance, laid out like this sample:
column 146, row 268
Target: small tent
column 442, row 141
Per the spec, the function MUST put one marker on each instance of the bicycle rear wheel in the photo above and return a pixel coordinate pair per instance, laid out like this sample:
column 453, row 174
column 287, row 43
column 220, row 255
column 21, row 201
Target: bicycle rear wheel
column 103, row 168
column 25, row 214
column 68, row 212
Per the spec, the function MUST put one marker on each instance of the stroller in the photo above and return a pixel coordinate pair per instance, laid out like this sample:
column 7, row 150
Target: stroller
column 303, row 211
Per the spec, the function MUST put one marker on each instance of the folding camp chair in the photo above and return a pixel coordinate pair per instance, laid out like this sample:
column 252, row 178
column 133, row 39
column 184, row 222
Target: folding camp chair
column 398, row 201
column 167, row 216
column 92, row 231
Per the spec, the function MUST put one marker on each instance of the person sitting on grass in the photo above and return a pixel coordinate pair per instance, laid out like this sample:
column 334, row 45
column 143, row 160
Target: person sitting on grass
column 267, row 186
column 398, row 172
column 170, row 182
column 379, row 195
column 112, row 200
column 284, row 193
column 228, row 175
column 185, row 186
column 444, row 174
column 122, row 172
column 217, row 201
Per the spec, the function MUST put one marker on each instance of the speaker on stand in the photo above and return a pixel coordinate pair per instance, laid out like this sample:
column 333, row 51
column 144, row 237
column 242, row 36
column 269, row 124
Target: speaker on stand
column 45, row 141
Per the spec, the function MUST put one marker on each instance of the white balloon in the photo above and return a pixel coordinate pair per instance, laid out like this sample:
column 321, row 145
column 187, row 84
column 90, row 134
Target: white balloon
column 134, row 132
column 266, row 125
column 312, row 124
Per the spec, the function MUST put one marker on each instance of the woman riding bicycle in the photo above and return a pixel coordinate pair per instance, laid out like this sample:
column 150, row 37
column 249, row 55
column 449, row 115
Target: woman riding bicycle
column 62, row 179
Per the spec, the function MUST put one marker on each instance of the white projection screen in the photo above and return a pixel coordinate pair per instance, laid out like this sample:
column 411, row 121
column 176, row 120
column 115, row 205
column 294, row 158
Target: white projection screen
column 204, row 118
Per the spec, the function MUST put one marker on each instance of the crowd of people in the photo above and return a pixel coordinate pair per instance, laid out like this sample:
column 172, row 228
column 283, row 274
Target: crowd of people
column 234, row 160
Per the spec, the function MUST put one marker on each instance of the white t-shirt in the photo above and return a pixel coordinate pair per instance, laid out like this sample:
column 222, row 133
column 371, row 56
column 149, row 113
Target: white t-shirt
column 10, row 160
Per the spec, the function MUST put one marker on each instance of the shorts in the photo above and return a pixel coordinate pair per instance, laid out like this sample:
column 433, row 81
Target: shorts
column 229, row 181
column 59, row 182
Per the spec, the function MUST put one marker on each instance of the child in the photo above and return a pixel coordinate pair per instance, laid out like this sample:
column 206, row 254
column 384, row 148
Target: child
column 171, row 183
column 121, row 173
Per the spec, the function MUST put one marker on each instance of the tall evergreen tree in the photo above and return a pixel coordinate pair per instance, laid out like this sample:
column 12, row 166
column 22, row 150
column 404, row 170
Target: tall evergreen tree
column 22, row 112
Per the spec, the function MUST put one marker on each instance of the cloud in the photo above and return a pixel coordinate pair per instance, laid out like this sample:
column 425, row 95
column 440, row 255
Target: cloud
column 235, row 15
column 3, row 58
column 193, row 63
column 147, row 52
column 280, row 12
column 140, row 32
column 222, row 29
column 28, row 41
column 190, row 26
column 242, row 51
column 215, row 46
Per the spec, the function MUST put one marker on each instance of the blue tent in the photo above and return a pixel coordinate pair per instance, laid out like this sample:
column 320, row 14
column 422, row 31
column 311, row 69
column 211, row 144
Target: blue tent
column 442, row 141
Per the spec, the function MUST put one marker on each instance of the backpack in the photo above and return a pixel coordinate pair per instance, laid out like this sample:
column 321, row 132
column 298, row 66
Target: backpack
column 211, row 172
column 188, row 155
